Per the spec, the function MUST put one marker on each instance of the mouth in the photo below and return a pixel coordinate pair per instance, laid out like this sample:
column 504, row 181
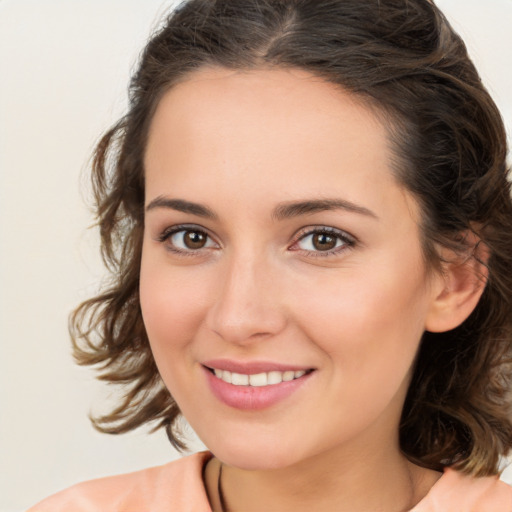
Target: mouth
column 258, row 379
column 255, row 385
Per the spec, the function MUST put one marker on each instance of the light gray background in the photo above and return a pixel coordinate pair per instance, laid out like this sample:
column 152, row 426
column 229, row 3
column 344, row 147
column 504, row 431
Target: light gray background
column 64, row 68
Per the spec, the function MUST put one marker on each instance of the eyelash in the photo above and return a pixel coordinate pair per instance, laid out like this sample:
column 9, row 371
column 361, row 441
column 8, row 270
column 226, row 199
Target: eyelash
column 169, row 232
column 347, row 240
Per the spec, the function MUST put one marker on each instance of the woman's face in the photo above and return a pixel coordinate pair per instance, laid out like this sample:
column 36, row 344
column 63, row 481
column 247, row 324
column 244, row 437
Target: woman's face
column 278, row 242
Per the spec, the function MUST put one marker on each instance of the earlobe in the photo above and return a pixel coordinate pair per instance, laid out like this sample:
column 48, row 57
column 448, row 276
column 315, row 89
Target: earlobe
column 457, row 289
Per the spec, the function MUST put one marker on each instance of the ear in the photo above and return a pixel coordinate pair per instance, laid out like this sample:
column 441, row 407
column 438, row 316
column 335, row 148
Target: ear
column 458, row 287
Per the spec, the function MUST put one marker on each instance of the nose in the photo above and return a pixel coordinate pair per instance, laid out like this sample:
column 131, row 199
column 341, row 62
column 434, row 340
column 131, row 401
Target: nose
column 247, row 307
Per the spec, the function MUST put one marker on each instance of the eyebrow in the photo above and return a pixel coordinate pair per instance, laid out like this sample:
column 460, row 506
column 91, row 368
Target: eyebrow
column 181, row 205
column 281, row 212
column 297, row 208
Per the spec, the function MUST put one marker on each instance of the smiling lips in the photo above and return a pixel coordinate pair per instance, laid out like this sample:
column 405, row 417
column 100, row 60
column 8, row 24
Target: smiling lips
column 253, row 386
column 258, row 379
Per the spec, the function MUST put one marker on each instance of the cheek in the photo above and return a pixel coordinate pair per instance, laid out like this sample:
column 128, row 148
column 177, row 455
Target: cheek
column 370, row 334
column 172, row 304
column 367, row 322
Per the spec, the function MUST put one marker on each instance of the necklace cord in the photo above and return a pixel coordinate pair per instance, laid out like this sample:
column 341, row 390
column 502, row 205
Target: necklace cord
column 219, row 490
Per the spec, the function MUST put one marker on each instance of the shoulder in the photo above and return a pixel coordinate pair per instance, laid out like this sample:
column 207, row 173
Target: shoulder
column 177, row 484
column 457, row 492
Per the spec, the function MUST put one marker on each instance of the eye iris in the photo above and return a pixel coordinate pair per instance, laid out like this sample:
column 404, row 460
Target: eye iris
column 324, row 242
column 194, row 239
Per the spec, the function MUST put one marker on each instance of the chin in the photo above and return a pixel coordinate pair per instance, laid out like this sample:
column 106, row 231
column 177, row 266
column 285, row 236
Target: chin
column 254, row 461
column 253, row 456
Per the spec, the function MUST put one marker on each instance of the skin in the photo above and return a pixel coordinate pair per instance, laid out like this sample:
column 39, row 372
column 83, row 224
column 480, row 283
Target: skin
column 242, row 143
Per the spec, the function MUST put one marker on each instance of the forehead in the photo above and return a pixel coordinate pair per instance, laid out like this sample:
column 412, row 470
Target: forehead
column 271, row 134
column 215, row 98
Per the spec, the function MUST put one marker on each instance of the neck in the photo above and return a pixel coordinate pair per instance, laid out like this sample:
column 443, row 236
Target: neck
column 384, row 481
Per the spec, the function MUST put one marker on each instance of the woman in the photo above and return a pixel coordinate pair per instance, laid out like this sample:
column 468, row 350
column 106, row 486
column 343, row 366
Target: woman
column 307, row 217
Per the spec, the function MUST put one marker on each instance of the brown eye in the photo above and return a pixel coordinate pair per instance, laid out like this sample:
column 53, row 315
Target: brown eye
column 186, row 240
column 323, row 241
column 194, row 239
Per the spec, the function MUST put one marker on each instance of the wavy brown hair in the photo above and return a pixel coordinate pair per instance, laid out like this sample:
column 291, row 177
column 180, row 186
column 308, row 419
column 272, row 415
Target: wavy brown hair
column 405, row 61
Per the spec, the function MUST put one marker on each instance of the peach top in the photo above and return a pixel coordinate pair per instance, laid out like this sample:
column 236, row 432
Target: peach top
column 178, row 486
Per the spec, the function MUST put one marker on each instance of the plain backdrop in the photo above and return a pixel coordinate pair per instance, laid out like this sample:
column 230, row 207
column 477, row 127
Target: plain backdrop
column 64, row 68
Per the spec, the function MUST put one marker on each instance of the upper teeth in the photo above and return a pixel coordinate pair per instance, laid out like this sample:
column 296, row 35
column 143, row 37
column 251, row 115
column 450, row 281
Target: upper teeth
column 258, row 379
